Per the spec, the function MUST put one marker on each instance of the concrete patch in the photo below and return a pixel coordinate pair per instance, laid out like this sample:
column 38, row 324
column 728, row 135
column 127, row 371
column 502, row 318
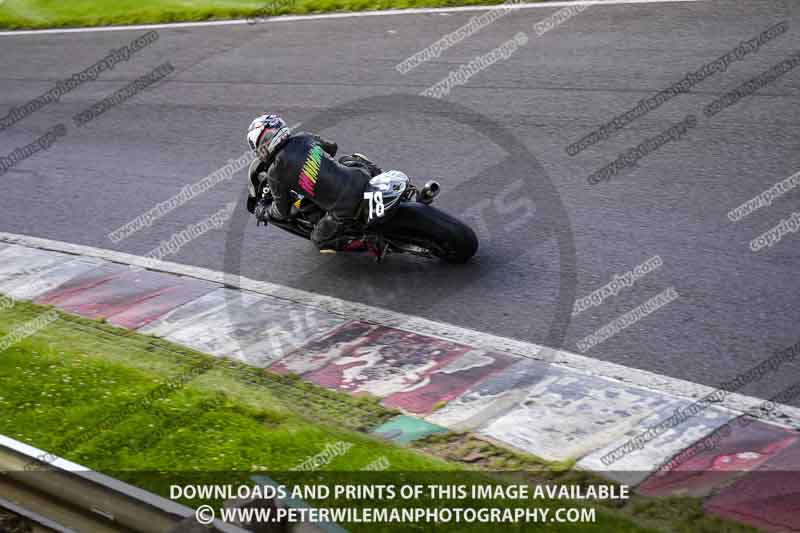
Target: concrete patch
column 251, row 328
column 768, row 498
column 549, row 411
column 742, row 445
column 492, row 398
column 637, row 465
column 33, row 285
column 188, row 314
column 18, row 263
column 568, row 415
column 404, row 429
column 408, row 370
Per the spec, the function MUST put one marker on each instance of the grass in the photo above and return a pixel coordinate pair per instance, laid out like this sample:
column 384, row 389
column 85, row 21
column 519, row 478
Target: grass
column 18, row 14
column 69, row 378
column 156, row 414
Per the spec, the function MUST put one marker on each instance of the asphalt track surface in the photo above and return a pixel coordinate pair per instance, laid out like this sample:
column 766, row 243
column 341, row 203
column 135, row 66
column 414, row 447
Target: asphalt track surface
column 735, row 306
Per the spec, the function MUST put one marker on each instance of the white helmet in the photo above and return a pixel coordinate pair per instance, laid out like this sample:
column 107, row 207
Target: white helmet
column 263, row 130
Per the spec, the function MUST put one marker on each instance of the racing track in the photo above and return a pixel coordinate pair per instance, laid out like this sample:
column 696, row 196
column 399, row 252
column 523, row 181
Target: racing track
column 735, row 306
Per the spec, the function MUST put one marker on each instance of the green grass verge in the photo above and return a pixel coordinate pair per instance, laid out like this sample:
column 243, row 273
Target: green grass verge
column 65, row 13
column 154, row 414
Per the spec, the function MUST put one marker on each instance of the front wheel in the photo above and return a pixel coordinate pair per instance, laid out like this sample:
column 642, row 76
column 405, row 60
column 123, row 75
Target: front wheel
column 425, row 226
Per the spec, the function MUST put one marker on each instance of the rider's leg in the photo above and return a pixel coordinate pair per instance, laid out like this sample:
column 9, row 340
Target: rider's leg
column 360, row 161
column 352, row 177
column 326, row 233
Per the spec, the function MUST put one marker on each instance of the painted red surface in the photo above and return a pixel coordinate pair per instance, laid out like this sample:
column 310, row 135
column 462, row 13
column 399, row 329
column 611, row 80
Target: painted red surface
column 443, row 386
column 716, row 462
column 81, row 283
column 317, row 353
column 768, row 498
column 385, row 361
column 127, row 297
column 154, row 305
column 410, row 371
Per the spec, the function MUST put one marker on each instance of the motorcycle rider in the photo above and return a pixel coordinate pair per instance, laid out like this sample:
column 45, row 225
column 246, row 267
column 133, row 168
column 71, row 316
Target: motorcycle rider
column 304, row 163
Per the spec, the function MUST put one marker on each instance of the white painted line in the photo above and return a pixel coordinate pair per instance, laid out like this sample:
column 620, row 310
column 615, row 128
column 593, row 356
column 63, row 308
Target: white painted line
column 738, row 403
column 323, row 16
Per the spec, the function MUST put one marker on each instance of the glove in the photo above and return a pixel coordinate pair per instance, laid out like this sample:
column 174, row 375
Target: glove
column 266, row 211
column 274, row 214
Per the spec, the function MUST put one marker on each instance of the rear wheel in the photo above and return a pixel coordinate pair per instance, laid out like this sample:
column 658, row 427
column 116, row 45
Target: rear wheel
column 427, row 227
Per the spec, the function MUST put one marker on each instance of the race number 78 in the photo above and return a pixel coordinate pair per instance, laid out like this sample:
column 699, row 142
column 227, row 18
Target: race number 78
column 376, row 207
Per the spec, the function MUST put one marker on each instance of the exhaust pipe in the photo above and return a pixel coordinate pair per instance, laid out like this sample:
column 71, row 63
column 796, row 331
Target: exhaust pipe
column 428, row 192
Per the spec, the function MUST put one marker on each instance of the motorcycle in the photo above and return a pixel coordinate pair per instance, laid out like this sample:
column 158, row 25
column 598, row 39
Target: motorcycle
column 394, row 217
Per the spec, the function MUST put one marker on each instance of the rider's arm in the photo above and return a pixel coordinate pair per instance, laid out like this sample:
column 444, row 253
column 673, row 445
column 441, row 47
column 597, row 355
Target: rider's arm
column 329, row 146
column 281, row 197
column 256, row 175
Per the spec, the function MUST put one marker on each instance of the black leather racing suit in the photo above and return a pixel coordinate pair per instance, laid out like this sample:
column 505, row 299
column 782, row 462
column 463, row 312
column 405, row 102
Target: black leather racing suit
column 304, row 164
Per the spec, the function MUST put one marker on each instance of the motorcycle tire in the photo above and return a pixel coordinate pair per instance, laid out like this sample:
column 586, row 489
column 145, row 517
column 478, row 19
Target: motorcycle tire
column 421, row 225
